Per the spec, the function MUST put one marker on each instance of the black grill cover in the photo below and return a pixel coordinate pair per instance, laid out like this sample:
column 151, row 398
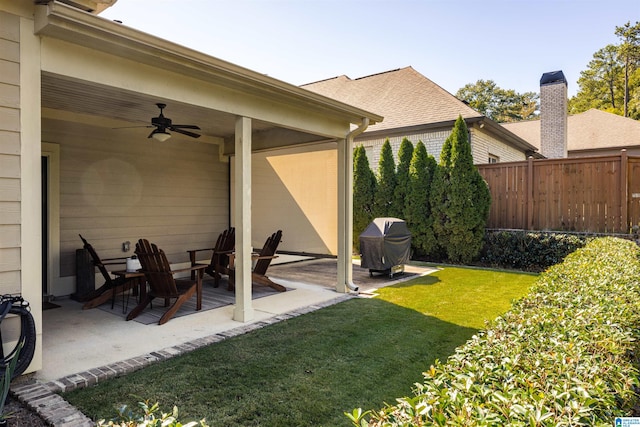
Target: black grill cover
column 385, row 243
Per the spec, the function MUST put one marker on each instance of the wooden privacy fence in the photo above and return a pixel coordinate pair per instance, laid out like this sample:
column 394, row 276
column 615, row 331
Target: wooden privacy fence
column 582, row 194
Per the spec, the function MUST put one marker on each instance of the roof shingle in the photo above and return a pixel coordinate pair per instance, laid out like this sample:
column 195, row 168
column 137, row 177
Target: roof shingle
column 593, row 129
column 403, row 96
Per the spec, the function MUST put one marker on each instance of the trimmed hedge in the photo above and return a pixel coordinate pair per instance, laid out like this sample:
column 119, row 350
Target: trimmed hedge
column 528, row 251
column 148, row 415
column 566, row 354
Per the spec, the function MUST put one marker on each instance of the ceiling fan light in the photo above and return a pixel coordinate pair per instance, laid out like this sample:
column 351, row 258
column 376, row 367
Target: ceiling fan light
column 161, row 136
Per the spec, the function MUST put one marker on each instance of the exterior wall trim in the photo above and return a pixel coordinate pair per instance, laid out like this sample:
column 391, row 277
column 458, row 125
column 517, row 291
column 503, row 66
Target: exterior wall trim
column 30, row 196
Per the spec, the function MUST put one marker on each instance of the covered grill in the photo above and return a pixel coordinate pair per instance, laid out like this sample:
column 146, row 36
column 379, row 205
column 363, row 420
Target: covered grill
column 385, row 246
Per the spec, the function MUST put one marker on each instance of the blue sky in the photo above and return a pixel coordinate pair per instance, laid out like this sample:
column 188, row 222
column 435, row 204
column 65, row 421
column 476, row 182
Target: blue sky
column 451, row 42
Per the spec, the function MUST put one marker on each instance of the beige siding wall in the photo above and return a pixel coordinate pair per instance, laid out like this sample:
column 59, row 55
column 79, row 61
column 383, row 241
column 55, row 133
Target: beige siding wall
column 295, row 190
column 16, row 239
column 9, row 153
column 117, row 187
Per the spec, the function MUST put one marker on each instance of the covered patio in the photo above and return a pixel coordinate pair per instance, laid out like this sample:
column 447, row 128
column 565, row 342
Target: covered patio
column 88, row 93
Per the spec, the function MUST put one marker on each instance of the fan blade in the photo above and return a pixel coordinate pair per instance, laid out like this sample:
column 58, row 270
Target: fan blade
column 133, row 127
column 185, row 126
column 186, row 132
column 152, row 132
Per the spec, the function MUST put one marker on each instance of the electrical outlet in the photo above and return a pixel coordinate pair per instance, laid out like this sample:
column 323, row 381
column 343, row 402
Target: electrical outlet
column 125, row 246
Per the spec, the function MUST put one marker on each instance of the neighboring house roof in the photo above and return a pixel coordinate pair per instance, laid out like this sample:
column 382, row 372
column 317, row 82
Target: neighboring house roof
column 403, row 97
column 591, row 130
column 408, row 101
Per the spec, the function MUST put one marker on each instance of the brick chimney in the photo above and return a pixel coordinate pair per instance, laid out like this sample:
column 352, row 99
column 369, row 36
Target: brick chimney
column 553, row 115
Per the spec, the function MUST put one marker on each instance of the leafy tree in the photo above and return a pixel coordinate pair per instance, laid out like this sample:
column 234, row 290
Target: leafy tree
column 460, row 198
column 481, row 96
column 386, row 188
column 402, row 179
column 630, row 53
column 499, row 104
column 611, row 81
column 599, row 84
column 418, row 207
column 364, row 189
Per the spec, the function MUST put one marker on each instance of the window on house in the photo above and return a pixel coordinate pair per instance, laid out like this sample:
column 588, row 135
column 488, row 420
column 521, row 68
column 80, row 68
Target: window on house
column 493, row 158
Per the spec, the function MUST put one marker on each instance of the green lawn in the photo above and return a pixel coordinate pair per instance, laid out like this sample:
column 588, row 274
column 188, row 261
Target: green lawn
column 308, row 370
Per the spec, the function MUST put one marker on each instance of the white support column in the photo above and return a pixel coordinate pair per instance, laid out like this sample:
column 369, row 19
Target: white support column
column 345, row 226
column 243, row 311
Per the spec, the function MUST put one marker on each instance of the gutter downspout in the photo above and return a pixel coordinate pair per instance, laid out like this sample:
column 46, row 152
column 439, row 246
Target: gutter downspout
column 349, row 196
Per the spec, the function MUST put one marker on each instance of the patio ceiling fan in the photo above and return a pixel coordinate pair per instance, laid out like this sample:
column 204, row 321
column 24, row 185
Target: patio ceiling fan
column 163, row 124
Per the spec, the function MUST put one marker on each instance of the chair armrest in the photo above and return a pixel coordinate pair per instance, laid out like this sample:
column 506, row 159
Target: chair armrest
column 123, row 258
column 199, row 250
column 227, row 252
column 192, row 268
column 192, row 254
column 113, row 263
column 254, row 256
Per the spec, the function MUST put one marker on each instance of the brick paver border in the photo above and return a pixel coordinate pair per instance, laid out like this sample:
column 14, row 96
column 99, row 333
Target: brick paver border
column 43, row 398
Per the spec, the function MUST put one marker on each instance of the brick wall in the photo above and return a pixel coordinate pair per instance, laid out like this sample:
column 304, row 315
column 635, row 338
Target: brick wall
column 432, row 141
column 482, row 145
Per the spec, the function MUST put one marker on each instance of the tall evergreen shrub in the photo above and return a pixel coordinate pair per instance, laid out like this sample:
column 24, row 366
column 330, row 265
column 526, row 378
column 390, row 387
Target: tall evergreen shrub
column 399, row 206
column 418, row 206
column 385, row 192
column 460, row 198
column 364, row 189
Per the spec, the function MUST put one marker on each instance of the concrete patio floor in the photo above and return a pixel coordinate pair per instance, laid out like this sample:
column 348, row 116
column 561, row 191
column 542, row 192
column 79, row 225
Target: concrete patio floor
column 81, row 347
column 76, row 340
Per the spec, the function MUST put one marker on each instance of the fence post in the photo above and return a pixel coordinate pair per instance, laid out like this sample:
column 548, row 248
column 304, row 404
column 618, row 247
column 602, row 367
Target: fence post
column 529, row 194
column 624, row 190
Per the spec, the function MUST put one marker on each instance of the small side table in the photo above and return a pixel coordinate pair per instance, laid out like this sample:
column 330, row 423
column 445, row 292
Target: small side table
column 132, row 278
